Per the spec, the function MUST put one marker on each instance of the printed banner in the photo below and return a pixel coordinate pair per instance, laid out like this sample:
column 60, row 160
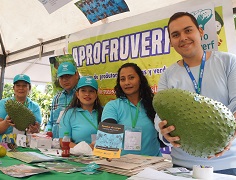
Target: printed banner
column 144, row 40
column 96, row 10
column 54, row 64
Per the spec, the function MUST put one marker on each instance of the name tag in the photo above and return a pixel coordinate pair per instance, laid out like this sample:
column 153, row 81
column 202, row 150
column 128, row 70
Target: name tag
column 133, row 138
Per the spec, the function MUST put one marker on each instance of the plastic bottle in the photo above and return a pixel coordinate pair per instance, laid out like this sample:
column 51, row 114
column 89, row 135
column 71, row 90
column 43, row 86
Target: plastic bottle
column 65, row 145
column 49, row 132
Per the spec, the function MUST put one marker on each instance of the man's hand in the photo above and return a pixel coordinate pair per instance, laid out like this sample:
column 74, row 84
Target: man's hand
column 227, row 148
column 165, row 132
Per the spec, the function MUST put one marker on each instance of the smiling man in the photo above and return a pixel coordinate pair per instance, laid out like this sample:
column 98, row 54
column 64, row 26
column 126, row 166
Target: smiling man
column 68, row 79
column 211, row 74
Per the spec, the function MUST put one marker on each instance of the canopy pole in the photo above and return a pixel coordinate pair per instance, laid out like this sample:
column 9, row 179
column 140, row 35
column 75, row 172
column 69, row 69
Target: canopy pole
column 3, row 66
column 3, row 61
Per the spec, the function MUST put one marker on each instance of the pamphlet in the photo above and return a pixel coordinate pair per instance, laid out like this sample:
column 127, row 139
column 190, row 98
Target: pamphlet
column 60, row 167
column 22, row 170
column 109, row 140
column 31, row 157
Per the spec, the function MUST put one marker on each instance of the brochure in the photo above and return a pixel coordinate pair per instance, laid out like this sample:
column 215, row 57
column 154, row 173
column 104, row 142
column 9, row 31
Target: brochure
column 31, row 157
column 60, row 167
column 22, row 170
column 109, row 140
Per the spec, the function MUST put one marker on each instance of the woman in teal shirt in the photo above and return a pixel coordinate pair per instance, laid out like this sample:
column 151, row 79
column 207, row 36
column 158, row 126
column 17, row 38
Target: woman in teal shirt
column 81, row 118
column 21, row 87
column 133, row 108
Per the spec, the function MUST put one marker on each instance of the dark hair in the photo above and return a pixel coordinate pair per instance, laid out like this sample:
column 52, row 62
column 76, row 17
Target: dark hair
column 75, row 103
column 181, row 14
column 145, row 91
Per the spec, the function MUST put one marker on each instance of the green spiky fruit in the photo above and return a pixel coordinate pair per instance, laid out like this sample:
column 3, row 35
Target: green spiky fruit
column 204, row 126
column 21, row 116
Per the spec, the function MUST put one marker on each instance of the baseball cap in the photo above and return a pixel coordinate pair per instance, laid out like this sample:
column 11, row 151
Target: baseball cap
column 87, row 81
column 21, row 77
column 66, row 68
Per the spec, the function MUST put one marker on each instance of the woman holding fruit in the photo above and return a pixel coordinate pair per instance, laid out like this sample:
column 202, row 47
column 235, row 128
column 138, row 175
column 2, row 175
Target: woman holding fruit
column 21, row 87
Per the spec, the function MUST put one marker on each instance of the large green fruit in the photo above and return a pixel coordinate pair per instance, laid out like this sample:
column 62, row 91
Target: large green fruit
column 21, row 116
column 204, row 126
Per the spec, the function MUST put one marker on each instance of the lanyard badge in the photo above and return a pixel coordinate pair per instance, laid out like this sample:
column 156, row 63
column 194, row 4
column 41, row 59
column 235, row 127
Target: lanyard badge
column 133, row 136
column 197, row 86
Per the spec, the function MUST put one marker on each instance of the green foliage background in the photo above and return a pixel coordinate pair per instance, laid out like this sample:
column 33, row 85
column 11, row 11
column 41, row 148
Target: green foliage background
column 44, row 99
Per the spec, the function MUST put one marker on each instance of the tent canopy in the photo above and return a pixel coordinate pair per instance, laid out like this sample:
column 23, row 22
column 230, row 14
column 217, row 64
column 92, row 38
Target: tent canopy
column 28, row 31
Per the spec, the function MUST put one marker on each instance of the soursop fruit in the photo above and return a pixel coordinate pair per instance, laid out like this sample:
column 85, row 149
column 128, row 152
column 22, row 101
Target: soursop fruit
column 204, row 126
column 21, row 116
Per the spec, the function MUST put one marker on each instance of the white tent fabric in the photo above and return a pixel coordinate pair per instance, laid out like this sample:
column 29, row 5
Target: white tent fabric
column 38, row 70
column 25, row 24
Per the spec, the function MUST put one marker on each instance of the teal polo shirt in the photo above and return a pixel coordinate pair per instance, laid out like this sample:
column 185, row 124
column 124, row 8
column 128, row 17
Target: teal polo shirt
column 120, row 110
column 79, row 128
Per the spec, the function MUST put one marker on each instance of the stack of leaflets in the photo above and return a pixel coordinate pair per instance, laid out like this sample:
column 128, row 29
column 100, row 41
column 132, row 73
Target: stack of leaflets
column 22, row 170
column 31, row 157
column 131, row 164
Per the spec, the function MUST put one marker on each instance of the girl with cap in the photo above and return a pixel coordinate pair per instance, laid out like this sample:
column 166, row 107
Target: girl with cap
column 21, row 87
column 82, row 116
column 133, row 108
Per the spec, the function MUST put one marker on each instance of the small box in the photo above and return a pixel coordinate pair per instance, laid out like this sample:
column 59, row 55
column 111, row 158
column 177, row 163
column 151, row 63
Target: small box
column 40, row 142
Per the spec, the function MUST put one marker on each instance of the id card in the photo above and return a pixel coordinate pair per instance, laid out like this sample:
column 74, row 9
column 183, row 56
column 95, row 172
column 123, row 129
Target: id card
column 133, row 138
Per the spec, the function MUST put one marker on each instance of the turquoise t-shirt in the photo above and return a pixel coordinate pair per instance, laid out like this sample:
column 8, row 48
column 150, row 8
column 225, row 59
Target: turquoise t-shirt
column 33, row 106
column 120, row 110
column 79, row 127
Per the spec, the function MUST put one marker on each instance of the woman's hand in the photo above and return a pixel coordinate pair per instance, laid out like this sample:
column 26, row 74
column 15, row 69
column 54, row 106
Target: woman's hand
column 165, row 132
column 5, row 123
column 8, row 121
column 34, row 128
column 92, row 145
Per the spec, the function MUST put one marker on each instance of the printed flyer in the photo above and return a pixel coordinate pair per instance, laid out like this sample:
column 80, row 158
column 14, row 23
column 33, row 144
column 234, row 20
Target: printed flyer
column 109, row 140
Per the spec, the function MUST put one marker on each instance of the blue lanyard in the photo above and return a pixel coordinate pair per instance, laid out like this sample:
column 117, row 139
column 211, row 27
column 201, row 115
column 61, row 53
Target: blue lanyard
column 197, row 86
column 134, row 120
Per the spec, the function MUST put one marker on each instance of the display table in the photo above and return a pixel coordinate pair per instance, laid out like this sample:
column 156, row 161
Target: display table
column 7, row 161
